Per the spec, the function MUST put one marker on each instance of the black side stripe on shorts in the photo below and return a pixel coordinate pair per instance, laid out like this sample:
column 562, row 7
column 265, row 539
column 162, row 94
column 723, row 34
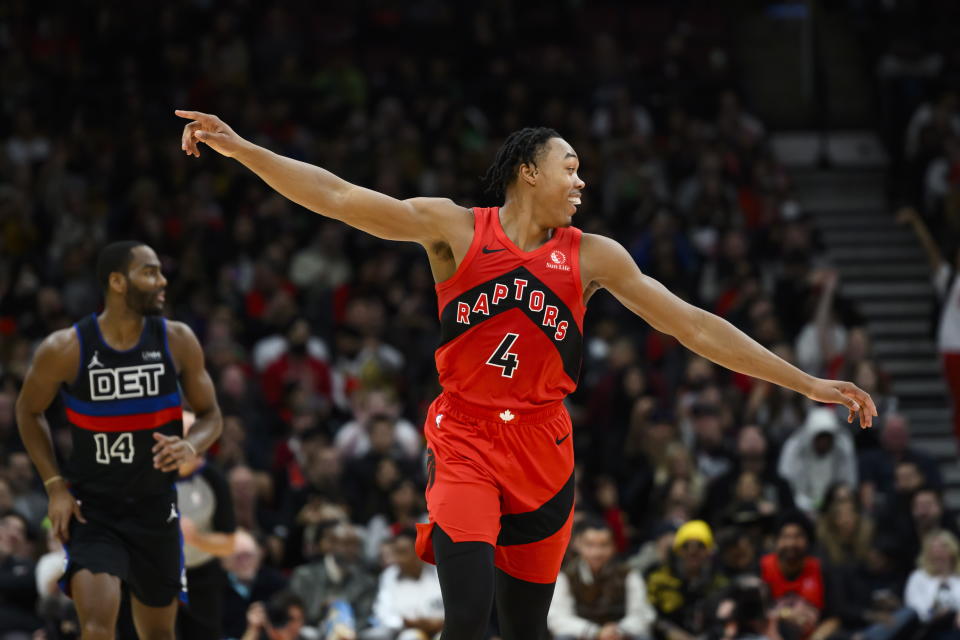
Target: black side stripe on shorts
column 533, row 526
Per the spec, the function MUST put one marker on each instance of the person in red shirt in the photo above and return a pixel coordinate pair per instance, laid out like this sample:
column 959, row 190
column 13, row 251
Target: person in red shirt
column 797, row 580
column 512, row 284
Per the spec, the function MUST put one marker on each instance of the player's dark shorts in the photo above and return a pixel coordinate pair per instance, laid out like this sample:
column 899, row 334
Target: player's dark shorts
column 137, row 541
column 505, row 478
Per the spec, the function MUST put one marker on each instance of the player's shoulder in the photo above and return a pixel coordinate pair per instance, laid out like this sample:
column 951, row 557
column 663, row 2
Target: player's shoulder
column 60, row 343
column 597, row 241
column 175, row 327
column 180, row 336
column 58, row 352
column 603, row 258
column 595, row 248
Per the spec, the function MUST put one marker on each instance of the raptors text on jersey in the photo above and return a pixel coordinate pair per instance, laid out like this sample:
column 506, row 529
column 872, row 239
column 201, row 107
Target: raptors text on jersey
column 512, row 320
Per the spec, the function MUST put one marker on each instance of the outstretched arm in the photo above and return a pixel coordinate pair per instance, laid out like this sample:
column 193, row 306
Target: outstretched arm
column 607, row 264
column 423, row 220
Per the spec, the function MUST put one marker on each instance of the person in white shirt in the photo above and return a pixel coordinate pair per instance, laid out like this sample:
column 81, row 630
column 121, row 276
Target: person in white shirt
column 408, row 604
column 598, row 596
column 933, row 589
column 819, row 454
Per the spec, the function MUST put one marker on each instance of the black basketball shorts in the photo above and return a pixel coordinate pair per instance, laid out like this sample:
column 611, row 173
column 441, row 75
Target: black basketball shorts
column 137, row 541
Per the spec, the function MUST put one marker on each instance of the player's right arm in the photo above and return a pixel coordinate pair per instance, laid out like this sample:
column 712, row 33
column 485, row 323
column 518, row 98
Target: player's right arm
column 422, row 220
column 54, row 363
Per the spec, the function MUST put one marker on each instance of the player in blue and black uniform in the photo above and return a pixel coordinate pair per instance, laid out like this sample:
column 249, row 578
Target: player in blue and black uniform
column 120, row 375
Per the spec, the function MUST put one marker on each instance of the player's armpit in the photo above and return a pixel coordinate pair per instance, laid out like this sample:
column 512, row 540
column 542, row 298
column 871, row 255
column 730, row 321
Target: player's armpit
column 196, row 384
column 605, row 262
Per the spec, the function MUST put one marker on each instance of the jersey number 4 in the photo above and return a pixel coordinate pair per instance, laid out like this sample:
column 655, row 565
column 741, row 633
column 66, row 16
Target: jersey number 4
column 503, row 358
column 121, row 448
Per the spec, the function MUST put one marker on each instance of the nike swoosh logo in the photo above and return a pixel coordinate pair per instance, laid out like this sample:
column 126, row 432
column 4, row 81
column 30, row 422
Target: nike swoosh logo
column 486, row 250
column 560, row 440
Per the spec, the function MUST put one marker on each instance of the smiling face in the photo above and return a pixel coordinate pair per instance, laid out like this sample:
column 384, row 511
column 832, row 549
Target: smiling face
column 555, row 182
column 143, row 285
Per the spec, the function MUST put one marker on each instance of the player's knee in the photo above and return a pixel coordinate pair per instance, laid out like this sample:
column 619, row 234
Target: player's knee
column 158, row 634
column 97, row 630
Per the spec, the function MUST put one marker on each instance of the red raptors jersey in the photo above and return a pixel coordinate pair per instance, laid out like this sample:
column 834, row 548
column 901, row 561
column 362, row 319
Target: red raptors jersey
column 512, row 320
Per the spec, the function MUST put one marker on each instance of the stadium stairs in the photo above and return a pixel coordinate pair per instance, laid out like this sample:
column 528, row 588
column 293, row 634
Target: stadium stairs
column 883, row 270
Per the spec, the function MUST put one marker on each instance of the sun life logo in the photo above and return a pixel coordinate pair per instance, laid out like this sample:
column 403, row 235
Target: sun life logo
column 558, row 261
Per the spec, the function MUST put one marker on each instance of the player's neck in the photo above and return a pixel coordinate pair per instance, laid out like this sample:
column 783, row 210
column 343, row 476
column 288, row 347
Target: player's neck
column 519, row 221
column 120, row 327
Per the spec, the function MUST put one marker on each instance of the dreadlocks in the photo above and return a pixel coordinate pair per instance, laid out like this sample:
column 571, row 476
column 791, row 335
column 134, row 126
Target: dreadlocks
column 520, row 147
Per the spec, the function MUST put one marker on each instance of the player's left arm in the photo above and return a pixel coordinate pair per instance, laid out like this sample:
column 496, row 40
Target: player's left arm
column 171, row 451
column 605, row 263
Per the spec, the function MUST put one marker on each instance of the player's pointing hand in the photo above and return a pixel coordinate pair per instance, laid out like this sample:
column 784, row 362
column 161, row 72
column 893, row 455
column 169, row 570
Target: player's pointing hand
column 848, row 394
column 211, row 130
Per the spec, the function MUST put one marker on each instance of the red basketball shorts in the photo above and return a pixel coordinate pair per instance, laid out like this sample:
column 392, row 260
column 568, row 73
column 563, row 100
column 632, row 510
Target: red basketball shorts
column 505, row 478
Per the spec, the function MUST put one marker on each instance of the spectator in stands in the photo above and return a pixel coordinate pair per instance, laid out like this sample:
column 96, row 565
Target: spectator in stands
column 824, row 337
column 681, row 589
column 844, row 533
column 710, row 452
column 774, row 493
column 282, row 619
column 406, row 509
column 297, row 369
column 355, row 438
column 737, row 552
column 598, row 596
column 797, row 580
column 28, row 499
column 18, row 587
column 817, row 456
column 933, row 590
column 248, row 581
column 679, row 466
column 926, row 515
column 408, row 604
column 877, row 466
column 6, row 496
column 336, row 574
column 742, row 613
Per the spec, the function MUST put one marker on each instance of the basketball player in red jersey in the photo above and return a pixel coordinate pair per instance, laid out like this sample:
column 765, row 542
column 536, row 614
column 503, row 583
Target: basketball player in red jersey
column 512, row 283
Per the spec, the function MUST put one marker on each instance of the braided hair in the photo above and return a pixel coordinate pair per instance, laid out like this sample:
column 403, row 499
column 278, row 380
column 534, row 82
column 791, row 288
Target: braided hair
column 521, row 147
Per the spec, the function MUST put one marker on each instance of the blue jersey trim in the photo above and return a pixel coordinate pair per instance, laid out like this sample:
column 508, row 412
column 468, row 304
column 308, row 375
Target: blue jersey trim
column 184, row 586
column 80, row 356
column 166, row 341
column 122, row 407
column 143, row 335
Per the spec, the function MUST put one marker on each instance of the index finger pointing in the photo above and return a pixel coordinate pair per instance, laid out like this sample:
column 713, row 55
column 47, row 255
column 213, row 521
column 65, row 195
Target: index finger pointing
column 191, row 115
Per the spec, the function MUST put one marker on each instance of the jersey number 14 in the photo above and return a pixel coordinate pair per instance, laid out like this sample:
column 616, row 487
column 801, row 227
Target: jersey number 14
column 122, row 448
column 502, row 356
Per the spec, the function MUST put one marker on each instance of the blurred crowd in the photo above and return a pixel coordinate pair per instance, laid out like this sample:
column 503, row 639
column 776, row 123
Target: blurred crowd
column 709, row 504
column 916, row 62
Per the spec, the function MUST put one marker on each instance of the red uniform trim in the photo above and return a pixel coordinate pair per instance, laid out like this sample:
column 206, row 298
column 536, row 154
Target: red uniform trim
column 135, row 422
